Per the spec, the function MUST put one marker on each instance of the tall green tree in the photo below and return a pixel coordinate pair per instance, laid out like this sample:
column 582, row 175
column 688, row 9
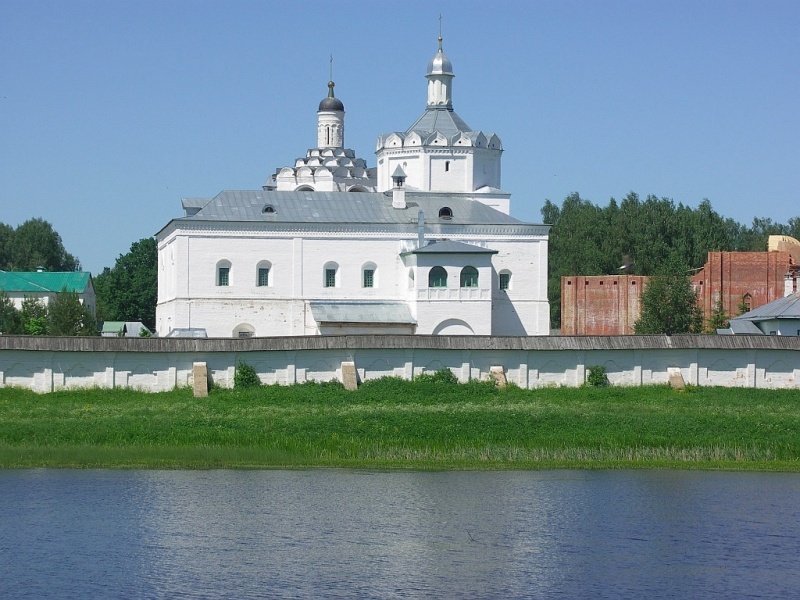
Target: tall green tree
column 10, row 317
column 6, row 241
column 36, row 244
column 67, row 316
column 669, row 304
column 34, row 317
column 128, row 291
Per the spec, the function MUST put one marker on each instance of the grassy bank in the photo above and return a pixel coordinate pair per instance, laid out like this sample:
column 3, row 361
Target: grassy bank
column 399, row 424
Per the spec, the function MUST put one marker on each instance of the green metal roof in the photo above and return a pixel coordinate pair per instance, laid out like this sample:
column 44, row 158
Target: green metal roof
column 44, row 281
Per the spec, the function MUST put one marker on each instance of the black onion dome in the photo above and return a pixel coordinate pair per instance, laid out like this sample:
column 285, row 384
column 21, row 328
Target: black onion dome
column 331, row 102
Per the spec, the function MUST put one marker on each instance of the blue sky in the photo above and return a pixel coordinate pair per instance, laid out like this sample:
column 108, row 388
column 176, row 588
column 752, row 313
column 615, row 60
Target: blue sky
column 112, row 111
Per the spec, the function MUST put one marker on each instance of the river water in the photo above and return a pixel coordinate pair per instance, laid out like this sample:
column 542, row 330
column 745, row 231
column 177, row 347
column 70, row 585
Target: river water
column 361, row 534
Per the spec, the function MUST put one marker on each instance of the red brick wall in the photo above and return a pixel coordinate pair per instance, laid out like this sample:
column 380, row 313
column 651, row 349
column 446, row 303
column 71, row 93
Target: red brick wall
column 609, row 304
column 600, row 304
column 731, row 275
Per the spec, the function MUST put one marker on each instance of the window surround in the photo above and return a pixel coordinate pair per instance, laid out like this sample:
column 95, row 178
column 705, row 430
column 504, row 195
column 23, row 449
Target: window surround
column 468, row 277
column 264, row 274
column 437, row 277
column 222, row 273
column 330, row 275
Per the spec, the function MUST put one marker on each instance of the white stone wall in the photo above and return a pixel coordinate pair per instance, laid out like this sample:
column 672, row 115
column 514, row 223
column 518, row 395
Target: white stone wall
column 45, row 371
column 188, row 294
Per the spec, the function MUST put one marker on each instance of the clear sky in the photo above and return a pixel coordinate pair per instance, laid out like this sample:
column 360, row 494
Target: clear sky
column 111, row 111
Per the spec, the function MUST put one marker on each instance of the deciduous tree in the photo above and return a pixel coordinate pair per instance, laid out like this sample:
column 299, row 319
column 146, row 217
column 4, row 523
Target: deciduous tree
column 128, row 291
column 669, row 304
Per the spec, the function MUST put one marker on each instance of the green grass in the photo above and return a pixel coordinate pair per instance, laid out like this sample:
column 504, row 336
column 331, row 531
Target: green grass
column 399, row 424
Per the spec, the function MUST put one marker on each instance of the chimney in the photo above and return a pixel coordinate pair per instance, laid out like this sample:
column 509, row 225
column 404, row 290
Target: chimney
column 398, row 191
column 420, row 229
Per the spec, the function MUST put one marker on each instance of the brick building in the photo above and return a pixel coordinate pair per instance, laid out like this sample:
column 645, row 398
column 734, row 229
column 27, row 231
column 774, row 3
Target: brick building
column 610, row 304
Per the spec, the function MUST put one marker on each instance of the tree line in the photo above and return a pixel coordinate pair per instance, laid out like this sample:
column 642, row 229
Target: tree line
column 125, row 292
column 654, row 236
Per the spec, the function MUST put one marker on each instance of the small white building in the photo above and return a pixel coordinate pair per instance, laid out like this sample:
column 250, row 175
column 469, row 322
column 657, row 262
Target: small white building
column 423, row 243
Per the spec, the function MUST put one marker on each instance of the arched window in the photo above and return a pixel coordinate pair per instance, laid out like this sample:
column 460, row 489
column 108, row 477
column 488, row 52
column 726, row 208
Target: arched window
column 505, row 279
column 469, row 277
column 223, row 273
column 746, row 304
column 368, row 275
column 330, row 275
column 437, row 278
column 244, row 330
column 268, row 209
column 445, row 212
column 263, row 273
column 304, row 188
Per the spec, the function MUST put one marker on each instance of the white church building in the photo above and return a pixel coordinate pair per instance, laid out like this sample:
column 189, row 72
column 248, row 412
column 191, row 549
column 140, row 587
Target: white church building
column 422, row 243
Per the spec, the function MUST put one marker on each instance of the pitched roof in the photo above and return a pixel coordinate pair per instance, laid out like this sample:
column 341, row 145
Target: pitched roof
column 450, row 247
column 446, row 122
column 345, row 207
column 783, row 308
column 44, row 281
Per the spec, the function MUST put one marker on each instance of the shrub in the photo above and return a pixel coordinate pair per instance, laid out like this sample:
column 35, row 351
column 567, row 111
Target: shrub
column 598, row 377
column 443, row 375
column 245, row 377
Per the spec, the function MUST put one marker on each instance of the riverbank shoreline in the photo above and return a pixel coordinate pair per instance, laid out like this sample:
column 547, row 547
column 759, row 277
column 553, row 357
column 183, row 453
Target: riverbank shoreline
column 401, row 425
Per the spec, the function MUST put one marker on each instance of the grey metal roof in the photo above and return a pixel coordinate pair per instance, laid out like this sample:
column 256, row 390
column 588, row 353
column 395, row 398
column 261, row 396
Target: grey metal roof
column 741, row 327
column 450, row 247
column 784, row 308
column 361, row 312
column 445, row 121
column 345, row 207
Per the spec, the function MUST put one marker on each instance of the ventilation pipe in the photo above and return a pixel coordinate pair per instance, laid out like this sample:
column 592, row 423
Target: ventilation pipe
column 420, row 229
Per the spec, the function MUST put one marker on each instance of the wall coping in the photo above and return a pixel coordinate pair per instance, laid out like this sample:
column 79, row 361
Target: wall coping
column 395, row 342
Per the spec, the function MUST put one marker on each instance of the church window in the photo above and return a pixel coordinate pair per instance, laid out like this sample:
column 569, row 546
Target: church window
column 268, row 208
column 223, row 273
column 368, row 275
column 469, row 277
column 244, row 330
column 330, row 275
column 437, row 278
column 446, row 212
column 505, row 280
column 263, row 276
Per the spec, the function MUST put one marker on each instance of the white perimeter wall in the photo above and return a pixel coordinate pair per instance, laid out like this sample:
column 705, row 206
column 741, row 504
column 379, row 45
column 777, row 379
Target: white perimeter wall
column 160, row 365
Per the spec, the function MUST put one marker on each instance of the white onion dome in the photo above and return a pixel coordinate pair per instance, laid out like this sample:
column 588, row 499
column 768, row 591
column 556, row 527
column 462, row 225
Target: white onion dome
column 331, row 102
column 440, row 64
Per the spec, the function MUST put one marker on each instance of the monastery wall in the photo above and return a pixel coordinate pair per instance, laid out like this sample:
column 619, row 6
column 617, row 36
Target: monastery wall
column 47, row 364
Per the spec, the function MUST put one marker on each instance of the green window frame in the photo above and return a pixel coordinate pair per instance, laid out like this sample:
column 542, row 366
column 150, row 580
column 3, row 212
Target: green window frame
column 505, row 281
column 263, row 276
column 469, row 277
column 369, row 278
column 223, row 276
column 437, row 277
column 330, row 278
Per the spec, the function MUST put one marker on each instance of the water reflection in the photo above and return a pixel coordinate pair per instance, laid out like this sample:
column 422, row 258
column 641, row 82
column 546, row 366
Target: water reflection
column 253, row 534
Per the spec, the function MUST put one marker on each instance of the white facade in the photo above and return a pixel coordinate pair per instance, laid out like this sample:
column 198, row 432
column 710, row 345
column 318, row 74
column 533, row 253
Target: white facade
column 306, row 255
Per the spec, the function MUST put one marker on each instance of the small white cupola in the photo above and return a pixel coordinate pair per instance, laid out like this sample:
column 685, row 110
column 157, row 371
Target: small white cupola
column 440, row 80
column 330, row 121
column 398, row 189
